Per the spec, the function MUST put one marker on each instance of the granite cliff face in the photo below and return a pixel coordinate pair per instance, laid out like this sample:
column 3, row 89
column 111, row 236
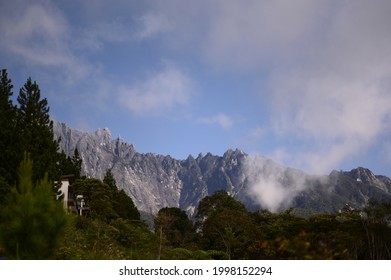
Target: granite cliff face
column 156, row 181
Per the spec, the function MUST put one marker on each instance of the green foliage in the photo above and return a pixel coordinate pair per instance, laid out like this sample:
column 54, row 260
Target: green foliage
column 31, row 219
column 218, row 202
column 76, row 164
column 90, row 239
column 109, row 180
column 231, row 231
column 10, row 155
column 136, row 237
column 98, row 197
column 175, row 226
column 37, row 130
column 26, row 128
column 184, row 254
column 122, row 204
column 105, row 202
column 4, row 189
column 67, row 165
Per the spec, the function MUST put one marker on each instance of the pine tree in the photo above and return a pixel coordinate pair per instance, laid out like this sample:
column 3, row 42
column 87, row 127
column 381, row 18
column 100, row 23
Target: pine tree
column 122, row 203
column 31, row 220
column 37, row 130
column 67, row 165
column 9, row 156
column 109, row 180
column 76, row 163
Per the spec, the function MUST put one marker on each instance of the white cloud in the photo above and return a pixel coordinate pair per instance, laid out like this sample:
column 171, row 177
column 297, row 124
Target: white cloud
column 248, row 35
column 153, row 24
column 339, row 100
column 40, row 34
column 271, row 185
column 221, row 120
column 160, row 92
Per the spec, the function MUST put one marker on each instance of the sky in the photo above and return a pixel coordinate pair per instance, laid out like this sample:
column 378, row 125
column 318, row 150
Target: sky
column 306, row 83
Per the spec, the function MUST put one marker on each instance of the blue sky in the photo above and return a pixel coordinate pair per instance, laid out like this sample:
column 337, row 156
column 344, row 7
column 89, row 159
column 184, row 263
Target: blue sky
column 306, row 83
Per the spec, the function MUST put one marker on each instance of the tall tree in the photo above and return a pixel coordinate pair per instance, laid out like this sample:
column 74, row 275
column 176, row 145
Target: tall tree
column 76, row 162
column 9, row 155
column 122, row 203
column 69, row 165
column 37, row 130
column 109, row 180
column 32, row 220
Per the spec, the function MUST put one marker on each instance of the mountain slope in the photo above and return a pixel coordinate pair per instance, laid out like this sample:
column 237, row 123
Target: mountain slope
column 156, row 181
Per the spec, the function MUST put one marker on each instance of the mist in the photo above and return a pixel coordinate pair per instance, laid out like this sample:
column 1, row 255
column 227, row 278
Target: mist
column 271, row 185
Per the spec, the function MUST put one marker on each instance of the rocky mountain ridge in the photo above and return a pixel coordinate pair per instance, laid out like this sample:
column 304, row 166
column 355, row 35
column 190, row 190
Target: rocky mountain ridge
column 156, row 181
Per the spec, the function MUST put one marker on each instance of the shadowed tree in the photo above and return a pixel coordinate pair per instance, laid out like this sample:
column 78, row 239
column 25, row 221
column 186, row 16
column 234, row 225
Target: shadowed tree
column 37, row 131
column 216, row 203
column 122, row 203
column 31, row 219
column 10, row 153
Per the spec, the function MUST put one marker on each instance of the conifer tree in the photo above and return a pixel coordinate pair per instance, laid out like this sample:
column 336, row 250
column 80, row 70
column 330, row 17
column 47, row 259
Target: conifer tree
column 9, row 156
column 67, row 165
column 122, row 203
column 37, row 130
column 109, row 180
column 32, row 220
column 76, row 163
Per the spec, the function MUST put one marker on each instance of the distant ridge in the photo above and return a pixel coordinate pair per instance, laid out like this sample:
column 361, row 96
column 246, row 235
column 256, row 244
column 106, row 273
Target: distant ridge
column 156, row 181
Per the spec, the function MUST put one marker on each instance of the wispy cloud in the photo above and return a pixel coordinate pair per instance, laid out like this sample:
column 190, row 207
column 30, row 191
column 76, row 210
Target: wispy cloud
column 158, row 93
column 152, row 24
column 339, row 99
column 221, row 120
column 271, row 185
column 97, row 35
column 41, row 35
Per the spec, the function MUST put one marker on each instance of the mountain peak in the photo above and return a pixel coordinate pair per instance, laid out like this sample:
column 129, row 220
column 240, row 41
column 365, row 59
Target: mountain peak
column 361, row 174
column 104, row 133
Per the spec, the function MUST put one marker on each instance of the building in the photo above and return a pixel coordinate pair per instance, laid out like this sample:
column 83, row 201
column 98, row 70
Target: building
column 73, row 203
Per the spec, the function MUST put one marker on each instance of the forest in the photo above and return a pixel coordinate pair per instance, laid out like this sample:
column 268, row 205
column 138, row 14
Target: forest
column 34, row 224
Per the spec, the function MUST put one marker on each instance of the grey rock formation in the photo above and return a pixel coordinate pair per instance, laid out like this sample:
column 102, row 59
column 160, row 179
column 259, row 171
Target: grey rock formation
column 156, row 181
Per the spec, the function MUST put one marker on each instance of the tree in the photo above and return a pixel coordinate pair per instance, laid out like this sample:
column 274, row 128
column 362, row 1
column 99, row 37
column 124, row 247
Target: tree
column 37, row 130
column 377, row 227
column 9, row 136
column 232, row 232
column 31, row 219
column 124, row 206
column 76, row 163
column 109, row 180
column 98, row 197
column 175, row 225
column 104, row 202
column 67, row 165
column 122, row 203
column 219, row 201
column 226, row 225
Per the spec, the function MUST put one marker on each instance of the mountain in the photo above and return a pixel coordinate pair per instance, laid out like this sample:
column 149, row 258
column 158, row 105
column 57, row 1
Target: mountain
column 155, row 181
